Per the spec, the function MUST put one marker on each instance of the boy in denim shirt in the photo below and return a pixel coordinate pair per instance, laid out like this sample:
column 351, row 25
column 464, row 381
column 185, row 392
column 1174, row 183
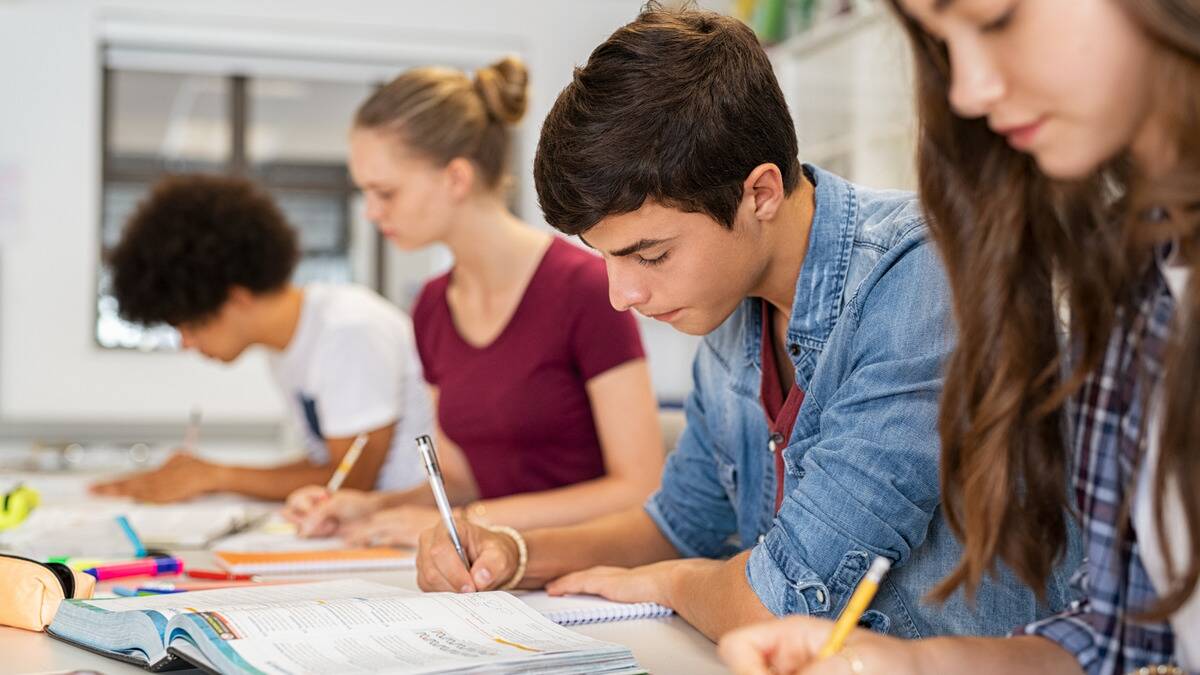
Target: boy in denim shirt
column 811, row 441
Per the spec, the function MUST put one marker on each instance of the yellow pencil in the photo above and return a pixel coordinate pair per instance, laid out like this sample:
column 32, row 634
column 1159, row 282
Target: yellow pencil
column 858, row 604
column 347, row 463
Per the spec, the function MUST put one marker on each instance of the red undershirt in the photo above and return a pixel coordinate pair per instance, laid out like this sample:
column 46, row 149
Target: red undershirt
column 781, row 413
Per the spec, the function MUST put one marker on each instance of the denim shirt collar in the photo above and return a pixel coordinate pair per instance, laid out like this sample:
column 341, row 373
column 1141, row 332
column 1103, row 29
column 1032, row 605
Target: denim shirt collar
column 818, row 299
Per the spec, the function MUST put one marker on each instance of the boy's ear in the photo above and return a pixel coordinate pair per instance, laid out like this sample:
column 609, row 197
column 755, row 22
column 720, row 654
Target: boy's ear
column 764, row 188
column 240, row 296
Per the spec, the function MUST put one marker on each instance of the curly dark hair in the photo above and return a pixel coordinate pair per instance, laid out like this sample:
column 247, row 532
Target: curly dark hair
column 193, row 239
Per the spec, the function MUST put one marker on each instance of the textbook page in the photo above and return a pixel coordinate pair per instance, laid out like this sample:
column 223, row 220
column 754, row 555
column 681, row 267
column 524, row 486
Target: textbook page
column 170, row 604
column 411, row 634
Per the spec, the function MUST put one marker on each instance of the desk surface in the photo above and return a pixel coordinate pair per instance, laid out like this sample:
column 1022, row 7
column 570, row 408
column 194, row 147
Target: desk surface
column 663, row 646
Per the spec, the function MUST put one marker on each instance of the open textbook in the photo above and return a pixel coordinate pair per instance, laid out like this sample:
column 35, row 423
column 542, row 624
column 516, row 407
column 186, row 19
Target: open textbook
column 334, row 626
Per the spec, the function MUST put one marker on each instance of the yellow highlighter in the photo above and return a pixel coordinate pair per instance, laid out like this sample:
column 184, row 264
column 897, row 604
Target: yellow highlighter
column 858, row 604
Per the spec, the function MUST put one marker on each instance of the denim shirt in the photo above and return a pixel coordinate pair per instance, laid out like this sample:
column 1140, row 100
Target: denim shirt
column 869, row 332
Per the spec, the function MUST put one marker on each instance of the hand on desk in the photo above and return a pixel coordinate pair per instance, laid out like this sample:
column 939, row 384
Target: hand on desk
column 182, row 476
column 494, row 559
column 399, row 526
column 318, row 514
column 648, row 583
column 791, row 646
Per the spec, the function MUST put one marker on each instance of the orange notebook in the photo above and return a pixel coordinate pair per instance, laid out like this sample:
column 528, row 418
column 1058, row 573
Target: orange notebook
column 301, row 562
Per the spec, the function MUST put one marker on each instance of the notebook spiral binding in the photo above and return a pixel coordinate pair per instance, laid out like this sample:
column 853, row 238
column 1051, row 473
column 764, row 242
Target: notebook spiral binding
column 580, row 617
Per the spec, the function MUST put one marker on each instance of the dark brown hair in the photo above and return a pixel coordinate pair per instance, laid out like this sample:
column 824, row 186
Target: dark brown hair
column 442, row 113
column 1018, row 245
column 678, row 107
column 192, row 240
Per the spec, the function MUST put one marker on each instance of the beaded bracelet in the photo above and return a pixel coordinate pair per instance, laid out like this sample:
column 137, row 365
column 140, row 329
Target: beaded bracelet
column 522, row 554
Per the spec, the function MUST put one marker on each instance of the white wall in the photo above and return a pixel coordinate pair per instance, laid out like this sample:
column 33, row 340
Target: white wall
column 50, row 369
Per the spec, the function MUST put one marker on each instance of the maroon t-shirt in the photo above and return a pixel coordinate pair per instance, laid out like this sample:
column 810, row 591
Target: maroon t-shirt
column 518, row 407
column 781, row 412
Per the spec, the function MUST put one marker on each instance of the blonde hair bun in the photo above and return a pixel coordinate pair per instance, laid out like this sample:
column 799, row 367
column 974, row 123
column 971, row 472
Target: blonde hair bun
column 503, row 86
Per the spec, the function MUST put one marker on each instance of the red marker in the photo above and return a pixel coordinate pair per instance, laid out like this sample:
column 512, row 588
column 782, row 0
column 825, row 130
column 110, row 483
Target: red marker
column 219, row 575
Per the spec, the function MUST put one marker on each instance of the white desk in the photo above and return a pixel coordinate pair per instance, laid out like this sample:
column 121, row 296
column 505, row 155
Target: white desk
column 662, row 646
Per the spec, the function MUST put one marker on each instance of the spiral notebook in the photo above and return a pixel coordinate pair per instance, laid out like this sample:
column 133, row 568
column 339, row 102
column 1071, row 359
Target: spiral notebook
column 578, row 610
column 305, row 562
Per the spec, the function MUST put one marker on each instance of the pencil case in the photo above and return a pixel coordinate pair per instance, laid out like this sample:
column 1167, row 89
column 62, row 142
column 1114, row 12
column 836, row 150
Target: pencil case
column 31, row 591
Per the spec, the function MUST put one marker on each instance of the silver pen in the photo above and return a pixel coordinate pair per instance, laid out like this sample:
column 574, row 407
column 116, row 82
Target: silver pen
column 429, row 456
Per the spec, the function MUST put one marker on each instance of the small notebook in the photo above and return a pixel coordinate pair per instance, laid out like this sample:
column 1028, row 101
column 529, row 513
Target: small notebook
column 304, row 562
column 577, row 610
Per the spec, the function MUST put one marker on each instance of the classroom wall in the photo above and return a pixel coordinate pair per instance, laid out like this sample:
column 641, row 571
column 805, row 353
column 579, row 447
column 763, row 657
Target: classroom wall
column 51, row 370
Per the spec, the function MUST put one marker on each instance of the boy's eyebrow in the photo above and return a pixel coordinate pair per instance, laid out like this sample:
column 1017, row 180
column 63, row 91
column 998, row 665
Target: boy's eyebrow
column 941, row 5
column 639, row 245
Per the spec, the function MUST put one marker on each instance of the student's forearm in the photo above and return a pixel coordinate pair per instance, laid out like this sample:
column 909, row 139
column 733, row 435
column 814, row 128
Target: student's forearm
column 566, row 505
column 715, row 596
column 994, row 656
column 625, row 539
column 274, row 483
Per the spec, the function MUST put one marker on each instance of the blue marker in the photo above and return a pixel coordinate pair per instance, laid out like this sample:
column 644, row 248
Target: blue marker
column 138, row 549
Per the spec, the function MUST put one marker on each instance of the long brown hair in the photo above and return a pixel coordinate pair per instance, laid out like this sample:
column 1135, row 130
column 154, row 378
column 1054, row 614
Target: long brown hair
column 1017, row 248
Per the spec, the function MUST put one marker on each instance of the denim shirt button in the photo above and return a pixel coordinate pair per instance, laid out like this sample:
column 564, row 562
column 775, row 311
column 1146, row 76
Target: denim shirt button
column 774, row 441
column 762, row 538
column 794, row 349
column 820, row 596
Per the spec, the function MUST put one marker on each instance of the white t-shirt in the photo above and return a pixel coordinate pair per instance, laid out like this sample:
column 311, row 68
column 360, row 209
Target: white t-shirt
column 352, row 367
column 1185, row 622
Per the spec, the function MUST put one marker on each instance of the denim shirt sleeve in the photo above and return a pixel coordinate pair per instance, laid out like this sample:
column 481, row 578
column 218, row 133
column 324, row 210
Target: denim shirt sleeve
column 868, row 484
column 691, row 507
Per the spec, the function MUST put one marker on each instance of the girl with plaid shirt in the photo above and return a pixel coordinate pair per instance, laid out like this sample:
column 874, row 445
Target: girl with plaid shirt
column 1059, row 163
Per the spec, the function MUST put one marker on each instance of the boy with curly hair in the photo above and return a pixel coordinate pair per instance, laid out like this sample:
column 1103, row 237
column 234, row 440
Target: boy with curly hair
column 213, row 256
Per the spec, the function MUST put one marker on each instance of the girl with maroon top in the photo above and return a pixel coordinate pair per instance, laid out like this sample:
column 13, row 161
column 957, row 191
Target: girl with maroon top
column 545, row 413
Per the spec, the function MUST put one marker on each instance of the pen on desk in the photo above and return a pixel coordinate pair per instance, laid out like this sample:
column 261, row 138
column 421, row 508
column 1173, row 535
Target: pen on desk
column 138, row 549
column 191, row 437
column 429, row 458
column 211, row 585
column 127, row 592
column 347, row 463
column 159, row 590
column 858, row 604
column 219, row 575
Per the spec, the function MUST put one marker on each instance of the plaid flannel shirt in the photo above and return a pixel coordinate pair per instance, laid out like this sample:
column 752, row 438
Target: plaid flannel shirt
column 1105, row 421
